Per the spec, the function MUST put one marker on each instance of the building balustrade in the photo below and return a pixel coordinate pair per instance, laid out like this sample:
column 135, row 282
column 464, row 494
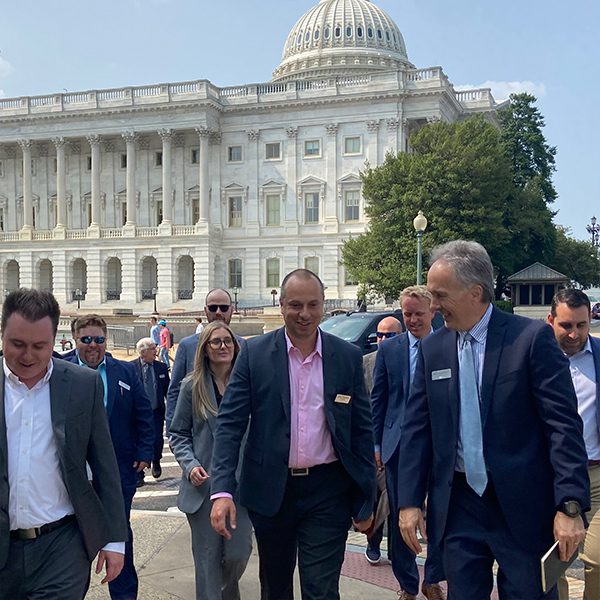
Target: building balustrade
column 185, row 294
column 113, row 295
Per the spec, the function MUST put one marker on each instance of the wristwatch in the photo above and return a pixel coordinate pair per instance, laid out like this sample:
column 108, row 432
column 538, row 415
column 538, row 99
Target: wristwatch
column 571, row 508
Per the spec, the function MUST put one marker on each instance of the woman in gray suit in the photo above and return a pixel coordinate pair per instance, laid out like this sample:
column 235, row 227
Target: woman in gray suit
column 219, row 563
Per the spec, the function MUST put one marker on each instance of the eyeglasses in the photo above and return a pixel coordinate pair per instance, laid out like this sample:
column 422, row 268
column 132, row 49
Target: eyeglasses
column 216, row 343
column 386, row 334
column 222, row 307
column 88, row 339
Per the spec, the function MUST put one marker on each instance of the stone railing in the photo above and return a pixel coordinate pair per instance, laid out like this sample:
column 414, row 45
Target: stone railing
column 167, row 93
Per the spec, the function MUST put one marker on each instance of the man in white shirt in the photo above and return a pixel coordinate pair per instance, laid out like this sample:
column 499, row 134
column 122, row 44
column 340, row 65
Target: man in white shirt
column 53, row 520
column 570, row 317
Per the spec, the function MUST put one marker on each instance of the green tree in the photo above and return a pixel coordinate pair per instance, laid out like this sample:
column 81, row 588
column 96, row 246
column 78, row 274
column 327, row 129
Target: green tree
column 532, row 158
column 576, row 259
column 461, row 178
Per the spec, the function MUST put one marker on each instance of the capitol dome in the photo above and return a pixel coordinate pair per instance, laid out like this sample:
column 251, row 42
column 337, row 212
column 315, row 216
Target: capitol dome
column 342, row 37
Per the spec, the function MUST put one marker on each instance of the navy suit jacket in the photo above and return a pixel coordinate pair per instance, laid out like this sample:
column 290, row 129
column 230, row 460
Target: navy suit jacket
column 259, row 390
column 391, row 385
column 129, row 417
column 161, row 378
column 595, row 342
column 532, row 434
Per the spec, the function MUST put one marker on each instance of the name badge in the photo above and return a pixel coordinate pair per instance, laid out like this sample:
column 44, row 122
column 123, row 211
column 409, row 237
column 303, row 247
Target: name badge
column 124, row 385
column 342, row 399
column 441, row 374
column 161, row 376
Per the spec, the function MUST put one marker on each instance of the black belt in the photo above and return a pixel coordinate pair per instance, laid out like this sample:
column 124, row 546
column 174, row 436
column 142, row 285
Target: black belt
column 35, row 532
column 304, row 471
column 593, row 463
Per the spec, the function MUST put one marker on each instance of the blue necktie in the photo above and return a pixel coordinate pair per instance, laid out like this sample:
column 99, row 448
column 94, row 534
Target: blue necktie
column 470, row 420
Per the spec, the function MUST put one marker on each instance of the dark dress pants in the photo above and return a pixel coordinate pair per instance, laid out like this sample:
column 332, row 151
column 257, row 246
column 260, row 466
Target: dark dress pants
column 125, row 586
column 55, row 565
column 311, row 527
column 158, row 415
column 476, row 534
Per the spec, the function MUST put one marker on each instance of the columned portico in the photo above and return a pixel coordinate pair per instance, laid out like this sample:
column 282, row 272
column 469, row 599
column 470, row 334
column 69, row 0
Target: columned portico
column 130, row 139
column 27, row 190
column 204, row 183
column 94, row 141
column 61, row 193
column 166, row 135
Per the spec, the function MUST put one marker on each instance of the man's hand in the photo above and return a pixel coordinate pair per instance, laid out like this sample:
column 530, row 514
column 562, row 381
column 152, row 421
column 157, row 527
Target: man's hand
column 198, row 476
column 114, row 563
column 409, row 520
column 363, row 526
column 378, row 462
column 222, row 509
column 569, row 532
column 140, row 465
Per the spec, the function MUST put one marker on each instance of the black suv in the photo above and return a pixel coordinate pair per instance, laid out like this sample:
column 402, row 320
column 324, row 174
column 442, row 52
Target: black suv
column 359, row 328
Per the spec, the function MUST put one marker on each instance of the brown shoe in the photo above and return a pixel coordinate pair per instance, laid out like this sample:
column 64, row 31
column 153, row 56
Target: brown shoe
column 433, row 591
column 402, row 595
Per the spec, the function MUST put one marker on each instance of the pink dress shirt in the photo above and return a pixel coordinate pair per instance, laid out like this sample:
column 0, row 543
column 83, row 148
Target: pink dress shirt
column 310, row 439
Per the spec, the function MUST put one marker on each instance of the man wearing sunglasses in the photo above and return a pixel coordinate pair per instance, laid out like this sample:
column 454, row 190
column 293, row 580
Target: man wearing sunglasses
column 393, row 375
column 217, row 307
column 131, row 427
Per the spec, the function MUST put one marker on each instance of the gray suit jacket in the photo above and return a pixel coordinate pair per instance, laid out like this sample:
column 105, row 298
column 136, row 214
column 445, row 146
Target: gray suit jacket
column 81, row 432
column 192, row 439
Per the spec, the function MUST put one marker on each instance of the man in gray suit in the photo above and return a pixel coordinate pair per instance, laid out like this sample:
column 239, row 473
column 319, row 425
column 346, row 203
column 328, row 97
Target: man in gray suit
column 217, row 307
column 53, row 520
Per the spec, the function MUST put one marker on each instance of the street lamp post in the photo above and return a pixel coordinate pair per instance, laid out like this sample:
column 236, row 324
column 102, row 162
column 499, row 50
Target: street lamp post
column 274, row 294
column 235, row 302
column 78, row 298
column 594, row 230
column 420, row 225
column 154, row 292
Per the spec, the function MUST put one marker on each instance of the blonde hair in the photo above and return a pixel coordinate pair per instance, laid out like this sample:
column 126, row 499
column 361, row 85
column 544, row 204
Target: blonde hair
column 201, row 394
column 416, row 291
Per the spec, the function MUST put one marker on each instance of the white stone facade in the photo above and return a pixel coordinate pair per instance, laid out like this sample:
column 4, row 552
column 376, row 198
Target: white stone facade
column 174, row 189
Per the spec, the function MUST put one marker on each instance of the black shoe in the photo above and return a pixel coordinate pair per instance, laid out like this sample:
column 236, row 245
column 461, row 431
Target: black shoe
column 373, row 555
column 140, row 481
column 156, row 470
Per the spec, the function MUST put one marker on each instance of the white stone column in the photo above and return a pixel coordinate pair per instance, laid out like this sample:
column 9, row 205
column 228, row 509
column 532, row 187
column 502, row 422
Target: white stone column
column 329, row 203
column 94, row 141
column 166, row 135
column 393, row 126
column 130, row 138
column 61, row 192
column 27, row 189
column 290, row 207
column 203, row 181
column 372, row 150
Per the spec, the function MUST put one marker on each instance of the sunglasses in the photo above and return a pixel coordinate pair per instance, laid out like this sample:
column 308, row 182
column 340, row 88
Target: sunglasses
column 88, row 339
column 386, row 334
column 222, row 307
column 217, row 342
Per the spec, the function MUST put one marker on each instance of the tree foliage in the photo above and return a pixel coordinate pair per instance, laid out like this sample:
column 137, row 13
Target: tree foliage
column 576, row 259
column 532, row 158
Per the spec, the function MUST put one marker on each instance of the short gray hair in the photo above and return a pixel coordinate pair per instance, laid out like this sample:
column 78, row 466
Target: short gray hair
column 470, row 262
column 144, row 344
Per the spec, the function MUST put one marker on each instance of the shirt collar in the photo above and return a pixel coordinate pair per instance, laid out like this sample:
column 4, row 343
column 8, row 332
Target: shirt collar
column 82, row 364
column 14, row 380
column 479, row 330
column 586, row 348
column 318, row 345
column 413, row 341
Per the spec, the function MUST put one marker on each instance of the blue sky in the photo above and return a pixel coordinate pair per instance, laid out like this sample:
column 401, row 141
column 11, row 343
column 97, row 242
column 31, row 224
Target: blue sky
column 543, row 46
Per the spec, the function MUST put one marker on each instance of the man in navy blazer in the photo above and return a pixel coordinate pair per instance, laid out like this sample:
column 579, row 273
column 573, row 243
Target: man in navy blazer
column 570, row 317
column 131, row 427
column 308, row 466
column 491, row 430
column 394, row 372
column 156, row 386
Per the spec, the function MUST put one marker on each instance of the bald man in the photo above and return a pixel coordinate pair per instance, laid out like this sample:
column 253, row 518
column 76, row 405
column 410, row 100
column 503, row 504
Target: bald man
column 387, row 328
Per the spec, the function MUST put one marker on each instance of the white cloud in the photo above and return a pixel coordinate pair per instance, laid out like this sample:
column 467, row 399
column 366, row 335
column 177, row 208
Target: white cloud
column 2, row 94
column 501, row 90
column 5, row 68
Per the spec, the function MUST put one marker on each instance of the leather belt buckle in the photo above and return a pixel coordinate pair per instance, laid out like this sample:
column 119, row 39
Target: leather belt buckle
column 299, row 472
column 26, row 534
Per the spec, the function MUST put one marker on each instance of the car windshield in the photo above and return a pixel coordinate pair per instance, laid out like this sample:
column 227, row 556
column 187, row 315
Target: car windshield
column 347, row 328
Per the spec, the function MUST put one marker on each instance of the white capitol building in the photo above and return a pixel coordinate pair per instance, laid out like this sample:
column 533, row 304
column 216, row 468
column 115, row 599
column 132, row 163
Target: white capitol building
column 173, row 189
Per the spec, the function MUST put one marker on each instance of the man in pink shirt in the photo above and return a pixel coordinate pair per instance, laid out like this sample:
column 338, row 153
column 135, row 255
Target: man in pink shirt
column 308, row 470
column 165, row 343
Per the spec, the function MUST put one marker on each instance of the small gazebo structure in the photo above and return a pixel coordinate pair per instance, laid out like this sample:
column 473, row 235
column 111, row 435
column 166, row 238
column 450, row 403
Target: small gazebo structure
column 532, row 289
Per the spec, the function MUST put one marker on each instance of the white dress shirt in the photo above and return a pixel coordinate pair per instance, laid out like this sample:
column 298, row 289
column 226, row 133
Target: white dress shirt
column 37, row 493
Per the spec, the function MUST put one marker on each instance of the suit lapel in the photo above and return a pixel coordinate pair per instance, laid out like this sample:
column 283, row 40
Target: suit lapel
column 3, row 440
column 59, row 390
column 450, row 359
column 280, row 363
column 493, row 353
column 112, row 383
column 595, row 344
column 329, row 380
column 404, row 351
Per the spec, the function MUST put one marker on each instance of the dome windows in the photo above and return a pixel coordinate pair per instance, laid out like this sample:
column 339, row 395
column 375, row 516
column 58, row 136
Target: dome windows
column 307, row 36
column 359, row 31
column 316, row 34
column 338, row 31
column 348, row 31
column 370, row 32
column 379, row 34
column 327, row 33
column 387, row 36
